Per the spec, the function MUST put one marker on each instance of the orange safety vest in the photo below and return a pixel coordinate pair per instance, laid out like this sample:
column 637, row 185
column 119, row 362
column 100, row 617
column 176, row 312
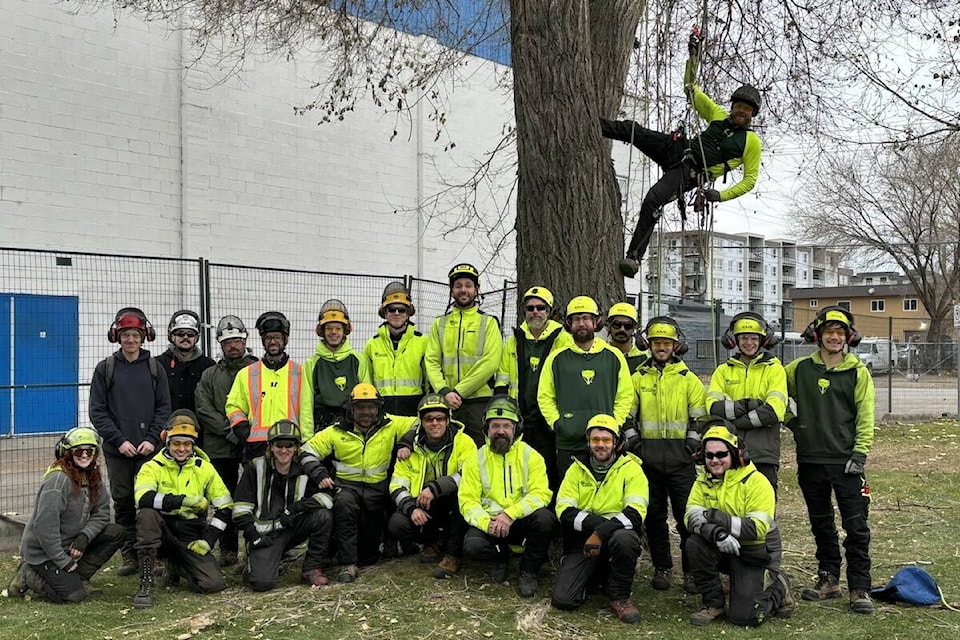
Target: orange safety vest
column 258, row 425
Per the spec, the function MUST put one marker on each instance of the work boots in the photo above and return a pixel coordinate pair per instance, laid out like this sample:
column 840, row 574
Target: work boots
column 129, row 566
column 787, row 605
column 625, row 611
column 827, row 587
column 447, row 568
column 18, row 583
column 706, row 615
column 661, row 579
column 144, row 597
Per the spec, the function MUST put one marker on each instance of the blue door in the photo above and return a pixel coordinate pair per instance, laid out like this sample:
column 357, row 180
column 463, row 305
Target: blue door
column 41, row 366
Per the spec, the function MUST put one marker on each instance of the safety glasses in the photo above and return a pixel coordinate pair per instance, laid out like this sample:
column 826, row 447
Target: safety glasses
column 536, row 307
column 396, row 309
column 720, row 455
column 284, row 444
column 184, row 334
column 83, row 452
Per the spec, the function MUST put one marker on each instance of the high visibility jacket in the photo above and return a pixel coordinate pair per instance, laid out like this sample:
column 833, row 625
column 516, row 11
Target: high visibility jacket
column 743, row 499
column 515, row 484
column 439, row 470
column 463, row 353
column 835, row 407
column 358, row 457
column 666, row 404
column 162, row 484
column 400, row 371
column 519, row 371
column 576, row 385
column 263, row 494
column 328, row 378
column 621, row 495
column 261, row 396
column 763, row 379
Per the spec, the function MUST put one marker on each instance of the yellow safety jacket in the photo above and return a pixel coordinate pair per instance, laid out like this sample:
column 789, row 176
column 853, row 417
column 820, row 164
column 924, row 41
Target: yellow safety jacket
column 261, row 396
column 359, row 458
column 400, row 371
column 743, row 501
column 440, row 470
column 623, row 487
column 463, row 353
column 515, row 484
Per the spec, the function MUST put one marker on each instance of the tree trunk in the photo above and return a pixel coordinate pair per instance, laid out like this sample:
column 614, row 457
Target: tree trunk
column 569, row 225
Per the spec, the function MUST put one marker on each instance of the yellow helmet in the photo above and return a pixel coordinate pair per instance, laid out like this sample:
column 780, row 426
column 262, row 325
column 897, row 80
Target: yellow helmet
column 395, row 293
column 721, row 432
column 603, row 421
column 464, row 270
column 539, row 292
column 333, row 310
column 748, row 324
column 663, row 330
column 364, row 391
column 582, row 304
column 624, row 309
column 182, row 423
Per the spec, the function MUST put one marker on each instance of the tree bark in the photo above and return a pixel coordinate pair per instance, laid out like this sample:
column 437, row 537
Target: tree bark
column 569, row 225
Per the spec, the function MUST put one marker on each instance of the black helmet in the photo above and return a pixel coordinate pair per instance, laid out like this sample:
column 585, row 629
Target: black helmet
column 749, row 94
column 273, row 321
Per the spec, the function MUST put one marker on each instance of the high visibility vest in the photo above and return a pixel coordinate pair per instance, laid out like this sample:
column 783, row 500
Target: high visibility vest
column 261, row 396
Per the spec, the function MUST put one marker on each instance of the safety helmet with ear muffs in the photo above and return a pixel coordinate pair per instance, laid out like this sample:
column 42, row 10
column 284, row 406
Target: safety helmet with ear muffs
column 464, row 270
column 271, row 321
column 664, row 327
column 334, row 310
column 76, row 437
column 832, row 314
column 364, row 392
column 396, row 293
column 284, row 429
column 503, row 406
column 131, row 318
column 749, row 322
column 432, row 402
column 182, row 423
column 716, row 428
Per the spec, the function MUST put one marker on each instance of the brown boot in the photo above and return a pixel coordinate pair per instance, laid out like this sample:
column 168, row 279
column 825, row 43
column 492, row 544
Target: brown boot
column 129, row 564
column 706, row 615
column 625, row 610
column 447, row 568
column 315, row 577
column 18, row 583
column 827, row 587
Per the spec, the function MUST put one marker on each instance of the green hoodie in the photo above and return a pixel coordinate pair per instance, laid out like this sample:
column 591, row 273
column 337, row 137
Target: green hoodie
column 835, row 408
column 328, row 378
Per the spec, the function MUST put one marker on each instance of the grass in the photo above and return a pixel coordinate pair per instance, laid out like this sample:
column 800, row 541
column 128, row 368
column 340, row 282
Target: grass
column 915, row 517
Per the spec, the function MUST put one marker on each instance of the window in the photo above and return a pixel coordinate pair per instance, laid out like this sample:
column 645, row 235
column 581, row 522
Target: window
column 814, row 303
column 910, row 304
column 878, row 306
column 803, row 274
column 844, row 304
column 883, row 278
column 868, row 280
column 729, row 285
column 739, row 285
column 739, row 267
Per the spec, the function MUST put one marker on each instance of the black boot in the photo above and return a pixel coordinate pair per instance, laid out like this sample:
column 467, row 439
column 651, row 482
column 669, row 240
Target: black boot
column 144, row 597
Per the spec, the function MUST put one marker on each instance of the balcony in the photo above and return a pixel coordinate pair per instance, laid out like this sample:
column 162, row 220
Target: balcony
column 755, row 294
column 754, row 274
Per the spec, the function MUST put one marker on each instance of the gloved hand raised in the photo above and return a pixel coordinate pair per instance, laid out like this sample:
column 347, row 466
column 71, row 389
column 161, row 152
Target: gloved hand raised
column 694, row 44
column 199, row 547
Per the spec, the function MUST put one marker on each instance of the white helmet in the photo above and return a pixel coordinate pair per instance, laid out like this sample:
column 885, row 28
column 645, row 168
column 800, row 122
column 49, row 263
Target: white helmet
column 230, row 327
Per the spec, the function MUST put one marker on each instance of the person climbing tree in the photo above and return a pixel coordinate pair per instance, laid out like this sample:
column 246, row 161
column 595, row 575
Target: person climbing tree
column 727, row 142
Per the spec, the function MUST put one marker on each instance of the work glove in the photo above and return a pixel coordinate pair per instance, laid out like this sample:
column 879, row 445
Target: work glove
column 197, row 504
column 80, row 542
column 727, row 543
column 199, row 547
column 696, row 519
column 239, row 434
column 591, row 547
column 630, row 441
column 856, row 464
column 711, row 195
column 694, row 44
column 792, row 424
column 261, row 542
column 691, row 444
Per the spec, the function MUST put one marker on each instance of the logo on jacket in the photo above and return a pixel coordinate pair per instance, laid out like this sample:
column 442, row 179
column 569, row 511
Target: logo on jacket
column 534, row 363
column 823, row 384
column 588, row 375
column 341, row 382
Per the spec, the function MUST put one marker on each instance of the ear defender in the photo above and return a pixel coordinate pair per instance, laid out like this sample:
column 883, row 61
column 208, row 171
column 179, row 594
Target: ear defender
column 749, row 322
column 664, row 327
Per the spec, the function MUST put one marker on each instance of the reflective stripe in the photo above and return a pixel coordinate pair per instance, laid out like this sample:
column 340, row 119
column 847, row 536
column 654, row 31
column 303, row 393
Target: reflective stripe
column 693, row 435
column 627, row 524
column 483, row 334
column 502, row 379
column 217, row 523
column 158, row 501
column 736, row 526
column 401, row 496
column 264, row 527
column 359, row 471
column 729, row 411
column 221, row 502
column 578, row 521
column 697, row 412
column 671, row 429
column 475, row 514
column 324, row 499
column 456, row 477
column 236, row 417
column 755, row 418
column 403, row 482
column 393, row 383
column 762, row 516
column 242, row 509
column 632, row 500
column 258, row 430
column 630, row 433
column 776, row 394
column 452, row 360
column 570, row 502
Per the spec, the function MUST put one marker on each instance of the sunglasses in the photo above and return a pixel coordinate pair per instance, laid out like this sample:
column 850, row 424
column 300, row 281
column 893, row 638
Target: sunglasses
column 622, row 325
column 184, row 334
column 284, row 444
column 720, row 455
column 83, row 452
column 396, row 309
column 536, row 307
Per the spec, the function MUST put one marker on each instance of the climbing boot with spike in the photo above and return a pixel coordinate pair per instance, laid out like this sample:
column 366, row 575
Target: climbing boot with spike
column 144, row 597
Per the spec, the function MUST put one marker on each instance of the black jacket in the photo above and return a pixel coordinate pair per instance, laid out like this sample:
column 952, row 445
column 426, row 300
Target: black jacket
column 182, row 378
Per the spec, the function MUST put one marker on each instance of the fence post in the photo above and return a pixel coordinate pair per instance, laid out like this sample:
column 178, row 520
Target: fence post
column 889, row 368
column 205, row 305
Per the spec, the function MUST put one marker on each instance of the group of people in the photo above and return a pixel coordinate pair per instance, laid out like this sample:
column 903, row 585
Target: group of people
column 458, row 445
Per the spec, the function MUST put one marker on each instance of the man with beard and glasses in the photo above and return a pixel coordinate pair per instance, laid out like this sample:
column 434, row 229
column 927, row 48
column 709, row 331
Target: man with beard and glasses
column 834, row 429
column 519, row 373
column 581, row 380
column 183, row 362
column 266, row 391
column 622, row 321
column 331, row 372
column 669, row 401
column 463, row 352
column 211, row 395
column 601, row 504
column 503, row 498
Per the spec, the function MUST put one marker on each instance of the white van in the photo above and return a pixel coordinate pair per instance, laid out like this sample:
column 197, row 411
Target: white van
column 879, row 354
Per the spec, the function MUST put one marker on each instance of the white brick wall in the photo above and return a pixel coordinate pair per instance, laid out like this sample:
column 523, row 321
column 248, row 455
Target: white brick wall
column 97, row 113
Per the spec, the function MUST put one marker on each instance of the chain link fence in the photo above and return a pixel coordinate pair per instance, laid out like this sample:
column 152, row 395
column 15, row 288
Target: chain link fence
column 56, row 307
